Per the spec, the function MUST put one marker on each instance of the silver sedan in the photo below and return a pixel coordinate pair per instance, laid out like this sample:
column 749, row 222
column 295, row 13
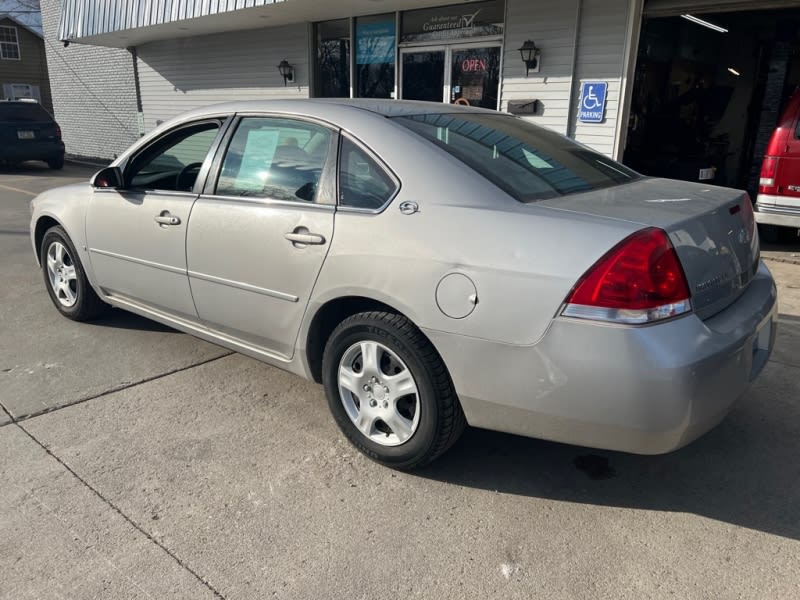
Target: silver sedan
column 431, row 266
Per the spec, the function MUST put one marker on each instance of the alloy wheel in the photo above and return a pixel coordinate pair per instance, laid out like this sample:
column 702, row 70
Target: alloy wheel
column 379, row 393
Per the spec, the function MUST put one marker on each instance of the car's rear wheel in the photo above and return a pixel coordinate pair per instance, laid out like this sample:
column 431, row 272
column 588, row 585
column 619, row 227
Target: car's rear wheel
column 389, row 390
column 65, row 279
column 56, row 163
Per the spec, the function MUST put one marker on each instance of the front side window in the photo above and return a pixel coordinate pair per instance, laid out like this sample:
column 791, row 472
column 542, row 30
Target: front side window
column 9, row 43
column 174, row 161
column 363, row 183
column 528, row 162
column 281, row 159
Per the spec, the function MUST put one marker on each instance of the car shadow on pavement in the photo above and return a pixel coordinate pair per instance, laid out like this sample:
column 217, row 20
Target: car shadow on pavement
column 730, row 475
column 122, row 319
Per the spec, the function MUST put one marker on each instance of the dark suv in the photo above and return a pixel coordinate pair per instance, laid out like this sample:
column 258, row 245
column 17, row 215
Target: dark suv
column 29, row 132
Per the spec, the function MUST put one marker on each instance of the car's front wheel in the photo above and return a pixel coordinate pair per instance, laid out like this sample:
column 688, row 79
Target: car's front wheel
column 389, row 390
column 65, row 279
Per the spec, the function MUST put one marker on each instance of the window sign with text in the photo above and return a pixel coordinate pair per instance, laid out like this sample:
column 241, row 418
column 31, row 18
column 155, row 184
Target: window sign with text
column 475, row 19
column 375, row 42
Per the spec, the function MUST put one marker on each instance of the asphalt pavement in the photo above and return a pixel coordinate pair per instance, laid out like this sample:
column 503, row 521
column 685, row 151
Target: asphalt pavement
column 138, row 462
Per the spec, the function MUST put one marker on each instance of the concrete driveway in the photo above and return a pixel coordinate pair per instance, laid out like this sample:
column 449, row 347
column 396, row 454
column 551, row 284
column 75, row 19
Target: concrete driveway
column 137, row 462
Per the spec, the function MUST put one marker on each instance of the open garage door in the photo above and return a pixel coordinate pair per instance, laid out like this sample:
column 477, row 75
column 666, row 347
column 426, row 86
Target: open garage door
column 671, row 8
column 708, row 90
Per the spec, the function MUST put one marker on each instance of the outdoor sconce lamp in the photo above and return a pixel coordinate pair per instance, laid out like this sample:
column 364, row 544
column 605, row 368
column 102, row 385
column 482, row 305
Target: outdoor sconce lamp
column 530, row 56
column 287, row 72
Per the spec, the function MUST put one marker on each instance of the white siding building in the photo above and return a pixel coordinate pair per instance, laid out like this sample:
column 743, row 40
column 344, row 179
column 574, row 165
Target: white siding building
column 231, row 50
column 130, row 65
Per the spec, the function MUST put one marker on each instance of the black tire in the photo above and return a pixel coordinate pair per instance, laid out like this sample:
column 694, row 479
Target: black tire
column 56, row 163
column 87, row 304
column 441, row 420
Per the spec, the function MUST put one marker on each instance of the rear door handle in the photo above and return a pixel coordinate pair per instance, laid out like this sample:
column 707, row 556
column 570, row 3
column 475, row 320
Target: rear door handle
column 165, row 218
column 302, row 236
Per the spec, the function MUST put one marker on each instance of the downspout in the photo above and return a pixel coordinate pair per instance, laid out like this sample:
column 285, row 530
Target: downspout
column 138, row 90
column 574, row 84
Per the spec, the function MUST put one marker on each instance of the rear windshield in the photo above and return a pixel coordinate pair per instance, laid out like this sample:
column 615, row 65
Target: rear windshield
column 529, row 162
column 29, row 112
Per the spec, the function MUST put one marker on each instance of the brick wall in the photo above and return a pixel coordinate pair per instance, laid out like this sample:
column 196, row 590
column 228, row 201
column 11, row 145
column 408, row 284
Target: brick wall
column 94, row 97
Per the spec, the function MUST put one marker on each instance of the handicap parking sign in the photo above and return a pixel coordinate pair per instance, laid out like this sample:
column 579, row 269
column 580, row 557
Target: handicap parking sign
column 593, row 101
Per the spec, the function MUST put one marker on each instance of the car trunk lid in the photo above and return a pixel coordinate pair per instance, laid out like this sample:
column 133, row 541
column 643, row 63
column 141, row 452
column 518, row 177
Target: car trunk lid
column 711, row 228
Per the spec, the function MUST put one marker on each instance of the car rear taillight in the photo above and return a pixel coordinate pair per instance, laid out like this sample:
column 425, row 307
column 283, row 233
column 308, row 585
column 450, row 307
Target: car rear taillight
column 58, row 131
column 769, row 172
column 749, row 218
column 640, row 280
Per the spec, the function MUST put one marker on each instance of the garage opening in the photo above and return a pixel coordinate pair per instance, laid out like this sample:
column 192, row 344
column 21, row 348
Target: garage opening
column 708, row 91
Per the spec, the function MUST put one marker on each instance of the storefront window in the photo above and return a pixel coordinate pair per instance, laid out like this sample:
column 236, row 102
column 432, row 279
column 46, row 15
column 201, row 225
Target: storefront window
column 460, row 21
column 333, row 59
column 375, row 51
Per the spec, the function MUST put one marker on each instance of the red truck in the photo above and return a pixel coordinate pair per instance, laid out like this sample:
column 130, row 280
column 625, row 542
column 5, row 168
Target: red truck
column 778, row 201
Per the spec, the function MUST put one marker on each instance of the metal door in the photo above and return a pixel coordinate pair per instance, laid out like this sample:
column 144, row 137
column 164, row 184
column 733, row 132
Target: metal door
column 259, row 235
column 137, row 235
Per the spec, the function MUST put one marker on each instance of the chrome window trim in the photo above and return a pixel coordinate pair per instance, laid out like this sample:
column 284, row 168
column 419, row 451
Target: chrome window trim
column 268, row 202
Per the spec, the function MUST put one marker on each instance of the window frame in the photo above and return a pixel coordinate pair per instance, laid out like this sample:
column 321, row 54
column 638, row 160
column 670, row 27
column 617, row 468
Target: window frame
column 16, row 42
column 223, row 122
column 327, row 181
column 378, row 161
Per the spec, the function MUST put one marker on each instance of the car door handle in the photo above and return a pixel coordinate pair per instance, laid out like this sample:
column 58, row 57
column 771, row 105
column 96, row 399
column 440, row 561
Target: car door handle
column 304, row 237
column 165, row 218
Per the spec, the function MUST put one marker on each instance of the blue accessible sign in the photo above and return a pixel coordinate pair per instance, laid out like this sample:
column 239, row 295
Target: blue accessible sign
column 593, row 101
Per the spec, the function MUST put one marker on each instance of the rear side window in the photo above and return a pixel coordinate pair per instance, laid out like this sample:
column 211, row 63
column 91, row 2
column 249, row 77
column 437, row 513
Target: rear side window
column 26, row 112
column 363, row 183
column 528, row 162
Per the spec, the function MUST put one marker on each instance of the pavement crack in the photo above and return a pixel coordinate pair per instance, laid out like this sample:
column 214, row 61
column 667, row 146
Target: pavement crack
column 119, row 388
column 10, row 416
column 119, row 511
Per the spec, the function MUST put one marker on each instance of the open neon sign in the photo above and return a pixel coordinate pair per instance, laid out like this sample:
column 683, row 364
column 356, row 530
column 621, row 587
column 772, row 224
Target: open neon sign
column 473, row 65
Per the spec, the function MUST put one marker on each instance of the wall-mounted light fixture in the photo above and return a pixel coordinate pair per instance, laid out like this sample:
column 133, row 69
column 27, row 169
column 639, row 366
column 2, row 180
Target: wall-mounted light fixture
column 286, row 71
column 530, row 56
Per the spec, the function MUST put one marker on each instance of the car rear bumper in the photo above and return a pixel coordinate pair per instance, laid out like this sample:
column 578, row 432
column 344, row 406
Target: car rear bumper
column 777, row 210
column 32, row 150
column 645, row 390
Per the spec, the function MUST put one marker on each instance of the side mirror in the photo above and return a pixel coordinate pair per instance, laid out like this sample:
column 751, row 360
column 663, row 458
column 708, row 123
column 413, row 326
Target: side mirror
column 110, row 177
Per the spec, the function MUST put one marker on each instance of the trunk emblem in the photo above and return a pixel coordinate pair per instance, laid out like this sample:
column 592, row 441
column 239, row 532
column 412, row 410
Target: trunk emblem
column 708, row 284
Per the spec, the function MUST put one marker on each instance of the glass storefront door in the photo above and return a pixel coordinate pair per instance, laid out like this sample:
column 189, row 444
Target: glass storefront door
column 423, row 74
column 462, row 74
column 475, row 76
